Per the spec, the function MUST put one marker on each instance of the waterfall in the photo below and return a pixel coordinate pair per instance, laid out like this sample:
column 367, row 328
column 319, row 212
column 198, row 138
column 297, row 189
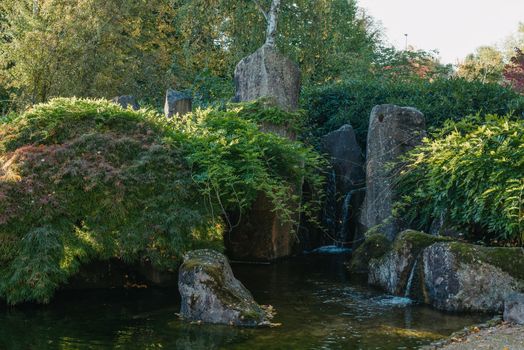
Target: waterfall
column 330, row 209
column 343, row 231
column 410, row 279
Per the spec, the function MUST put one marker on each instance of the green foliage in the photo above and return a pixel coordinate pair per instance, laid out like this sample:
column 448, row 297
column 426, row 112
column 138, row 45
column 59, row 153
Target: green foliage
column 473, row 176
column 351, row 101
column 82, row 180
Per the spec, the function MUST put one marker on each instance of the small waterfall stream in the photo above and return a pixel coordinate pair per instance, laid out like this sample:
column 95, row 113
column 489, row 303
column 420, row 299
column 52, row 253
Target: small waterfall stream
column 329, row 217
column 343, row 231
column 410, row 279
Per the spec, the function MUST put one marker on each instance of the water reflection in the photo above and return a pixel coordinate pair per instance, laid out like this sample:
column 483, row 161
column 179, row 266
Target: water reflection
column 319, row 305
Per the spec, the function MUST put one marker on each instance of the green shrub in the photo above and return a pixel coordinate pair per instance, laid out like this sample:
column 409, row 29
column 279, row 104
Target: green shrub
column 83, row 180
column 351, row 101
column 473, row 176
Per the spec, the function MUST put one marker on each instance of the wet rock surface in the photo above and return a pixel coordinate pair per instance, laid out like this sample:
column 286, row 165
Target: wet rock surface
column 396, row 270
column 393, row 131
column 210, row 293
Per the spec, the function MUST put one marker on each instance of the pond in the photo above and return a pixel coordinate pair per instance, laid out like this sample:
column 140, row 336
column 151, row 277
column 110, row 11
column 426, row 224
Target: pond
column 319, row 305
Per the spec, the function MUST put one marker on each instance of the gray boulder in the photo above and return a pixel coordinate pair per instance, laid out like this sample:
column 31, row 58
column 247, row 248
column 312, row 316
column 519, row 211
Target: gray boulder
column 392, row 132
column 126, row 101
column 514, row 308
column 177, row 103
column 210, row 293
column 268, row 73
column 466, row 277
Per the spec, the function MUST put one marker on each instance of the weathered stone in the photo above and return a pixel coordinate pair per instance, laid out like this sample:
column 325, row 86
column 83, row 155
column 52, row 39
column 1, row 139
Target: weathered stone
column 261, row 235
column 514, row 308
column 210, row 293
column 393, row 270
column 375, row 246
column 127, row 101
column 177, row 103
column 465, row 277
column 440, row 227
column 346, row 158
column 392, row 132
column 268, row 73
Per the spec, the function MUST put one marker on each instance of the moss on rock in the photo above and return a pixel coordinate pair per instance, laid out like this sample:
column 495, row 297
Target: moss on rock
column 374, row 246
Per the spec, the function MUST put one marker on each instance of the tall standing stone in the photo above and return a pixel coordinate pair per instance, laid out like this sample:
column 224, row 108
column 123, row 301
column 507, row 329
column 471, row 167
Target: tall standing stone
column 177, row 103
column 268, row 73
column 392, row 132
column 262, row 234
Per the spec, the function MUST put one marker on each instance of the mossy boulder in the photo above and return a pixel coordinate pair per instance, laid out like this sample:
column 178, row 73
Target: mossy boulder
column 374, row 246
column 393, row 270
column 210, row 293
column 466, row 277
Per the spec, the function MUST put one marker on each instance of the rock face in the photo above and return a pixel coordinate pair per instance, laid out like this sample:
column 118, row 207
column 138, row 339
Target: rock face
column 392, row 131
column 514, row 308
column 342, row 201
column 345, row 157
column 396, row 270
column 261, row 235
column 177, row 103
column 464, row 277
column 210, row 293
column 375, row 246
column 267, row 73
column 127, row 101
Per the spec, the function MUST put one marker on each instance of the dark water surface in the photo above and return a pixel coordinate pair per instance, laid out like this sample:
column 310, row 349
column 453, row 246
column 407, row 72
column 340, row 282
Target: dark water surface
column 318, row 304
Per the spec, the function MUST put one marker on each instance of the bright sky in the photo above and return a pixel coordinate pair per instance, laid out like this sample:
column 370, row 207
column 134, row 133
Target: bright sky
column 453, row 27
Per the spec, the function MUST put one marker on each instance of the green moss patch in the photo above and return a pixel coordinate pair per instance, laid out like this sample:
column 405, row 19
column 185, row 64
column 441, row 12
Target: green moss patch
column 375, row 246
column 508, row 259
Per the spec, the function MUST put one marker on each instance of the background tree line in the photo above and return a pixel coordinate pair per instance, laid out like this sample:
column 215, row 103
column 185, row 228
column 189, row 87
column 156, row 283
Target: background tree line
column 94, row 48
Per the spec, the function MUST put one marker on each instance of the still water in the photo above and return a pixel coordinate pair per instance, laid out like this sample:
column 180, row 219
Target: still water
column 319, row 306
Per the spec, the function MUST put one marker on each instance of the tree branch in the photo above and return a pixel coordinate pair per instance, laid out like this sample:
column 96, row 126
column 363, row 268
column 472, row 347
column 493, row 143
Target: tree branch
column 259, row 7
column 272, row 22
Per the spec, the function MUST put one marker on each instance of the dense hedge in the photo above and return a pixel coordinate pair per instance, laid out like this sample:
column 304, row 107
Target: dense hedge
column 472, row 176
column 351, row 101
column 82, row 180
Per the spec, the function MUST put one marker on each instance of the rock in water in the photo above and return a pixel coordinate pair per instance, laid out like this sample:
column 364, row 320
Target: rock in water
column 210, row 293
column 268, row 73
column 514, row 308
column 127, row 101
column 392, row 132
column 177, row 103
column 466, row 277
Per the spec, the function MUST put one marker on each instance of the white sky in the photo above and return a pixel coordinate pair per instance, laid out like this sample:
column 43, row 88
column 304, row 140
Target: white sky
column 453, row 27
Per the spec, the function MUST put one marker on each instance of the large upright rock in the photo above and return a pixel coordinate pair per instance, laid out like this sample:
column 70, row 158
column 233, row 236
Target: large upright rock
column 261, row 233
column 268, row 73
column 177, row 103
column 210, row 293
column 392, row 132
column 342, row 201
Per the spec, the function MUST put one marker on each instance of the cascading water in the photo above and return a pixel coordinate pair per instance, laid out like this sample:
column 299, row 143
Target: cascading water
column 343, row 231
column 329, row 217
column 410, row 279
